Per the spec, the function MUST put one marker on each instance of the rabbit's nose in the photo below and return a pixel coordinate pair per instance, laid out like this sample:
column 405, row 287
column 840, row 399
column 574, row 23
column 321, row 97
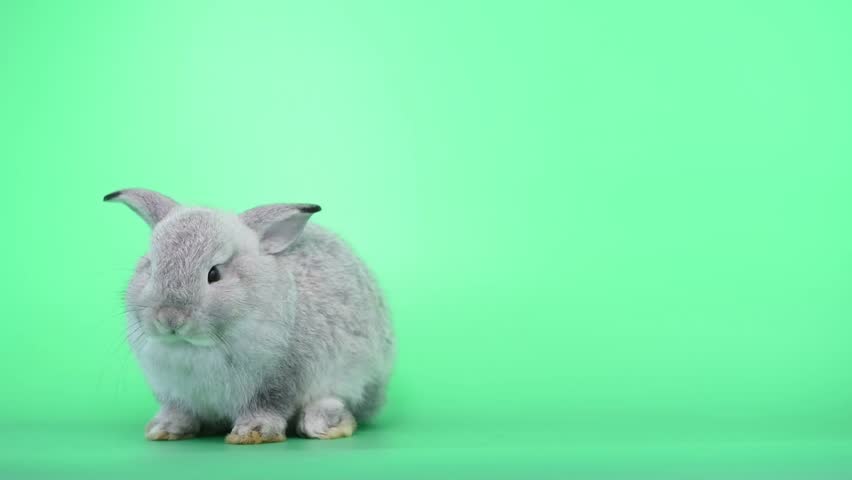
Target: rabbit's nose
column 171, row 318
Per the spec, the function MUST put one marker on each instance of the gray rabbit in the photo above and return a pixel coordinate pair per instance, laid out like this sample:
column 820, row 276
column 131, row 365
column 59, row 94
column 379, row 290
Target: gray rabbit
column 249, row 323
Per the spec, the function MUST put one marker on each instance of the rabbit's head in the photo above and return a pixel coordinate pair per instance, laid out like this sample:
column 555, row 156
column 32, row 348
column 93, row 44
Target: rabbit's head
column 209, row 275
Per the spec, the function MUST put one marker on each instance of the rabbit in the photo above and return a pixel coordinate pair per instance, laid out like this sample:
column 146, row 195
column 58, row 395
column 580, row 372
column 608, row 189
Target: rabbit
column 260, row 324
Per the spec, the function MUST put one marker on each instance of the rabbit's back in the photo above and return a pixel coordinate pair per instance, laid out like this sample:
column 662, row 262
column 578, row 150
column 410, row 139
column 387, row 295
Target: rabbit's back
column 342, row 342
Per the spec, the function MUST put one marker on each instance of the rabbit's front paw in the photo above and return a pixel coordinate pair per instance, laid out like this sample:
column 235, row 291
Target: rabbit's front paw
column 172, row 425
column 257, row 428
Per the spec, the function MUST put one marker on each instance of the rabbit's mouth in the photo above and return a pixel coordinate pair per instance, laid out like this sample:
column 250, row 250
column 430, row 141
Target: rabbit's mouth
column 200, row 341
column 193, row 340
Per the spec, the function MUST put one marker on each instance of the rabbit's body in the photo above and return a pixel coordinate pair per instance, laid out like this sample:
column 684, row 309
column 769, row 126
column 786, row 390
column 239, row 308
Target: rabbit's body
column 292, row 326
column 339, row 343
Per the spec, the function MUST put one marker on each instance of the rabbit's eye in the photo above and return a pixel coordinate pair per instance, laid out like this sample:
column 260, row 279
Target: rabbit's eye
column 213, row 275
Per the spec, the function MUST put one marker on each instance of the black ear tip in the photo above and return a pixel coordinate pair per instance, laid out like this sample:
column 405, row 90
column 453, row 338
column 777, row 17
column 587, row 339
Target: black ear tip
column 310, row 209
column 112, row 195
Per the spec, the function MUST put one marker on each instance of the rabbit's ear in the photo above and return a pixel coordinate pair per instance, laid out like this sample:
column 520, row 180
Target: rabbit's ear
column 278, row 225
column 149, row 205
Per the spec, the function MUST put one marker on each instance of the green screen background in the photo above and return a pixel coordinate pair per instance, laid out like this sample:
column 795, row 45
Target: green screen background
column 615, row 236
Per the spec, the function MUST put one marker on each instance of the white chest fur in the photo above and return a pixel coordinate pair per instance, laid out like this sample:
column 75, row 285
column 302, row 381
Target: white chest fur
column 206, row 380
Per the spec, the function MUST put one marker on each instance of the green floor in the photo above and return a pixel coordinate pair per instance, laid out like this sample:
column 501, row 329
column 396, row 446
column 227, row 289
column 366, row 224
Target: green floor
column 396, row 451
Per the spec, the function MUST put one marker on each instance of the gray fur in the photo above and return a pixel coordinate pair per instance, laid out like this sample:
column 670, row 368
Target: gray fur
column 296, row 323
